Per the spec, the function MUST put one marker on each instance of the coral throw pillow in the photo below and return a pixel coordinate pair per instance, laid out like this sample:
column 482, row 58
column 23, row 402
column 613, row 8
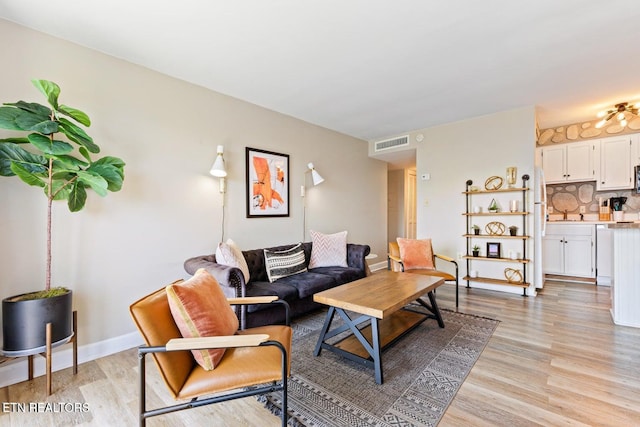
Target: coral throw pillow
column 229, row 254
column 200, row 309
column 416, row 254
column 328, row 250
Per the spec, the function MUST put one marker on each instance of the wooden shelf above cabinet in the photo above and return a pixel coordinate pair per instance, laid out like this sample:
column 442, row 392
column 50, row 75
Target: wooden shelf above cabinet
column 496, row 281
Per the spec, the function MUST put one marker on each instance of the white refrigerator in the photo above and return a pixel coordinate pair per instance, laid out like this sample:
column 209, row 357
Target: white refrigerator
column 539, row 225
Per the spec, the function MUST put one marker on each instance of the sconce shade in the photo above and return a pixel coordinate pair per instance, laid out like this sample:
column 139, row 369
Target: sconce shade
column 218, row 169
column 315, row 176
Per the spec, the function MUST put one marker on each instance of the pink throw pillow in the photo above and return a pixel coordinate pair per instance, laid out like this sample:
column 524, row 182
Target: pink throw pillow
column 200, row 309
column 416, row 254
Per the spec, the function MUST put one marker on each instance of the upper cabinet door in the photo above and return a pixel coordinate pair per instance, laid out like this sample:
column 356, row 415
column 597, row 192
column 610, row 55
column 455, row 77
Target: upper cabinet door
column 553, row 163
column 580, row 161
column 569, row 162
column 616, row 163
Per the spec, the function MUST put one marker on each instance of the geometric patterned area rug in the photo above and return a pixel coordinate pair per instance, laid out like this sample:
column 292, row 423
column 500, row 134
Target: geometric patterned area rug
column 422, row 373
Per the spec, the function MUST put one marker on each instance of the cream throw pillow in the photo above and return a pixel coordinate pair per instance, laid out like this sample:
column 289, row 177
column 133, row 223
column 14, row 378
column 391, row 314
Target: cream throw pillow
column 229, row 254
column 328, row 250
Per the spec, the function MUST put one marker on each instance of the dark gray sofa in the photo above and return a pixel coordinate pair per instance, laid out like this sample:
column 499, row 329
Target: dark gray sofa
column 296, row 290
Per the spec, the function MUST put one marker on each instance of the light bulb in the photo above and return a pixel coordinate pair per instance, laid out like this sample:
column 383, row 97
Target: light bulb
column 623, row 122
column 620, row 117
column 601, row 123
column 601, row 114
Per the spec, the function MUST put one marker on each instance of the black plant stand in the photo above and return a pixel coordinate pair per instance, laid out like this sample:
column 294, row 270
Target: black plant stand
column 47, row 350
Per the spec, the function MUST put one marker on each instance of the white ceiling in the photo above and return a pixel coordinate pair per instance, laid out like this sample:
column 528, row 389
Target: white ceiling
column 371, row 68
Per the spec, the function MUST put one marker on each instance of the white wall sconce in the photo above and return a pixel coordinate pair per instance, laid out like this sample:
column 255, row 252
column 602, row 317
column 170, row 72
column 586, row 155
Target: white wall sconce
column 218, row 170
column 316, row 179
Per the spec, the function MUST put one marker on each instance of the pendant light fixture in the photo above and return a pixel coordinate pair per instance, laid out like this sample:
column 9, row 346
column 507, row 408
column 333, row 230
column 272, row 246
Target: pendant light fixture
column 620, row 112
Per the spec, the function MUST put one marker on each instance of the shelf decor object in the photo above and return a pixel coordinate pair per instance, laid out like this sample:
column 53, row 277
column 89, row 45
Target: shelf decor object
column 494, row 228
column 511, row 244
column 513, row 275
column 512, row 174
column 493, row 250
column 493, row 183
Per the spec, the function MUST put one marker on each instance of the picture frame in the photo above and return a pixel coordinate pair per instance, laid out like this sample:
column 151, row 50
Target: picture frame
column 267, row 182
column 493, row 250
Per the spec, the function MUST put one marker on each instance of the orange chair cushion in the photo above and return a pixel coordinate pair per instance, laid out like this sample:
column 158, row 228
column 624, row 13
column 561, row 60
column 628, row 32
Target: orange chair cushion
column 200, row 309
column 416, row 253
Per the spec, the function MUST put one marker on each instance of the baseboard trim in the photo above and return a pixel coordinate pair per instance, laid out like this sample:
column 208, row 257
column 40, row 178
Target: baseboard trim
column 16, row 371
column 378, row 266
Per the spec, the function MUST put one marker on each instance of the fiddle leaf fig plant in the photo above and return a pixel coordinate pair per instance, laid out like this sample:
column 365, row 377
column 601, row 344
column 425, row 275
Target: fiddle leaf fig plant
column 56, row 154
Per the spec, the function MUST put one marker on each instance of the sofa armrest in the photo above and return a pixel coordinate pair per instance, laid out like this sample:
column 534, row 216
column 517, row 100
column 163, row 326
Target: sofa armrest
column 356, row 256
column 231, row 279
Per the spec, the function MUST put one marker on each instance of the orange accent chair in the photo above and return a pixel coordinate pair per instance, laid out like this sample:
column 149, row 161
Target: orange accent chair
column 256, row 360
column 395, row 263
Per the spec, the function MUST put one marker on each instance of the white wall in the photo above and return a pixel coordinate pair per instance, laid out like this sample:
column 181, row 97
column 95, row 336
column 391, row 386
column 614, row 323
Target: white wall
column 132, row 242
column 471, row 149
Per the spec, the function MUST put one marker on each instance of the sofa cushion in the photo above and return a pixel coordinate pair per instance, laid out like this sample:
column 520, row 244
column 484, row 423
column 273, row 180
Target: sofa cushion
column 228, row 253
column 285, row 263
column 200, row 309
column 283, row 291
column 341, row 275
column 308, row 283
column 328, row 250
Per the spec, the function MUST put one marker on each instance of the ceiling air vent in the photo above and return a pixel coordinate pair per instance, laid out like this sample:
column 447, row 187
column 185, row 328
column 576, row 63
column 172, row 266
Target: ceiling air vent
column 392, row 143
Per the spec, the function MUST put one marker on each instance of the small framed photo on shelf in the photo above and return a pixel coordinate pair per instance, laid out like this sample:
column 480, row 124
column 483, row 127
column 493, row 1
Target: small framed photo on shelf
column 493, row 250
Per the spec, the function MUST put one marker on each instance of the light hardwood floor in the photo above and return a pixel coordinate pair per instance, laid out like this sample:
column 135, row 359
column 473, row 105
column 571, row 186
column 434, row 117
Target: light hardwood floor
column 556, row 359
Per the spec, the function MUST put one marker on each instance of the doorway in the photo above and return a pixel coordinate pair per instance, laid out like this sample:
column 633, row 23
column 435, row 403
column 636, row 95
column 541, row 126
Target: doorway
column 401, row 203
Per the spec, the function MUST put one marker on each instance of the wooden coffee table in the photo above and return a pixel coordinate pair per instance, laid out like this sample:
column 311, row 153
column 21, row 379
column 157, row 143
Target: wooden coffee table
column 380, row 300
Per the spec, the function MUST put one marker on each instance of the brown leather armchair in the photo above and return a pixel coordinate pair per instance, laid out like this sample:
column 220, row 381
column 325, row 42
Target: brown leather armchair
column 256, row 360
column 394, row 262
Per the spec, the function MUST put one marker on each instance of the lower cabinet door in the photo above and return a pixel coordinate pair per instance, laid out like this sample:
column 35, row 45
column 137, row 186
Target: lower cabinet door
column 578, row 256
column 553, row 254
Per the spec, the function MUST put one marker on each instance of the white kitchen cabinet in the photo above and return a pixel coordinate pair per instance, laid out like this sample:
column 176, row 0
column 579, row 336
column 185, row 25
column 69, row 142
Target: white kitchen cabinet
column 604, row 254
column 575, row 161
column 625, row 292
column 616, row 163
column 569, row 250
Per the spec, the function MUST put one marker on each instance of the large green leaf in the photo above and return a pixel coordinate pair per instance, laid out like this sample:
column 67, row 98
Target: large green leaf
column 68, row 162
column 47, row 127
column 32, row 107
column 49, row 89
column 85, row 153
column 77, row 197
column 110, row 173
column 113, row 161
column 30, row 121
column 16, row 140
column 76, row 114
column 28, row 177
column 95, row 181
column 77, row 135
column 8, row 118
column 47, row 146
column 12, row 153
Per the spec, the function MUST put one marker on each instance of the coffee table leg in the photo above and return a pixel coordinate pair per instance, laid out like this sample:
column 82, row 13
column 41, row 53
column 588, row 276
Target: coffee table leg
column 377, row 355
column 435, row 309
column 327, row 322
